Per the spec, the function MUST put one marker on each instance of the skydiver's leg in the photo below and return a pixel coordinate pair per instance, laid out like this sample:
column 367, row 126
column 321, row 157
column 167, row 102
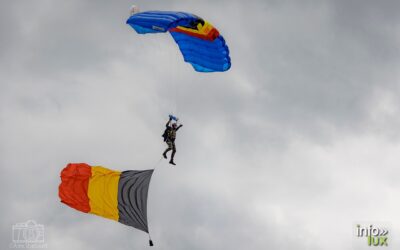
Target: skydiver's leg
column 173, row 154
column 168, row 149
column 165, row 153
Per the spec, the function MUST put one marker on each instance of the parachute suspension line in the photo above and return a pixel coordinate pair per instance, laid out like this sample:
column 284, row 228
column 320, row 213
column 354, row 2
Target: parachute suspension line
column 157, row 163
column 172, row 77
column 177, row 81
column 176, row 85
column 172, row 55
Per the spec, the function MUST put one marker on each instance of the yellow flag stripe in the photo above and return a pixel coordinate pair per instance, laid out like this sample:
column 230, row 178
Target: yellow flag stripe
column 103, row 192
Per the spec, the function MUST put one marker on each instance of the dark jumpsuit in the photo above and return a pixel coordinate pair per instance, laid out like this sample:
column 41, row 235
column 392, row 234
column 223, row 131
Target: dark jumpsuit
column 171, row 135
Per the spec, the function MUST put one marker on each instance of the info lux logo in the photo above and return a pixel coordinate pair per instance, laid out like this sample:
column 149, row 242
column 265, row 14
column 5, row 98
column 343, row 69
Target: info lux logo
column 376, row 236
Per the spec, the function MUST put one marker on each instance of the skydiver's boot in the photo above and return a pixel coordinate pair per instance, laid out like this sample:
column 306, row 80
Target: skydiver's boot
column 172, row 162
column 165, row 153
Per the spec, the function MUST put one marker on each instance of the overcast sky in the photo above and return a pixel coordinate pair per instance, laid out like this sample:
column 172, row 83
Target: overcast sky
column 292, row 147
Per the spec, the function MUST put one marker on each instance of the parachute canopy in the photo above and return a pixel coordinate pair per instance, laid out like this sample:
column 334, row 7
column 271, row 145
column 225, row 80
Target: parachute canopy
column 200, row 42
column 120, row 196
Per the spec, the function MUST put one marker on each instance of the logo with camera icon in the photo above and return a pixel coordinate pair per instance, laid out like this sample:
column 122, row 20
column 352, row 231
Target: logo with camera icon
column 28, row 234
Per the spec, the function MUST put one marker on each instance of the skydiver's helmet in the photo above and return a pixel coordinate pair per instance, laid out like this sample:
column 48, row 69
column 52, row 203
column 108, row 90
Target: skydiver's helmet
column 174, row 125
column 134, row 9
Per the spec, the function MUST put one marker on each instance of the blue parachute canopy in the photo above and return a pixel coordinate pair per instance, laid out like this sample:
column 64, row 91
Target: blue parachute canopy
column 200, row 43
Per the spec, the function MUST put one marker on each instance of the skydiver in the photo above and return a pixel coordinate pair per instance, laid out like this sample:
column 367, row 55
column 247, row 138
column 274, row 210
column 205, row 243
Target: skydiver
column 169, row 137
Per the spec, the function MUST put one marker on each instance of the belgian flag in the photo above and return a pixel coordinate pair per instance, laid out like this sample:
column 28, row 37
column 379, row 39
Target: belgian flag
column 119, row 196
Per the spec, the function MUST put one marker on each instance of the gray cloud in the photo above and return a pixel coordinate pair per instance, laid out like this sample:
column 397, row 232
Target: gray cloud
column 287, row 150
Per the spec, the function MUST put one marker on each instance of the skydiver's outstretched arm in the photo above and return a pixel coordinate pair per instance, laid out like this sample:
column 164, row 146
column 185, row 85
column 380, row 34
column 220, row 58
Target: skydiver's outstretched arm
column 179, row 127
column 169, row 121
